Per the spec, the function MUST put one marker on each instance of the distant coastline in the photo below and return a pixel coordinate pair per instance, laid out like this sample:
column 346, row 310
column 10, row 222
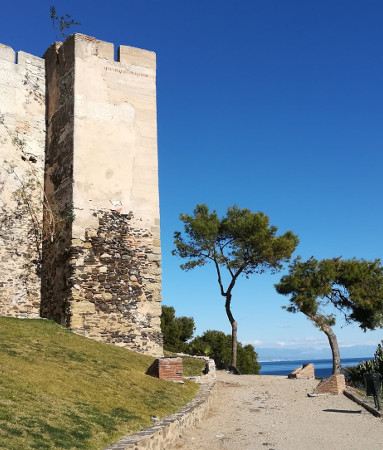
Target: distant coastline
column 290, row 353
column 323, row 367
column 288, row 360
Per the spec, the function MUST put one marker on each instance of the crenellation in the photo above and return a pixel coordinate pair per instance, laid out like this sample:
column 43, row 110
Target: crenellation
column 7, row 53
column 87, row 46
column 29, row 59
column 137, row 57
column 21, row 58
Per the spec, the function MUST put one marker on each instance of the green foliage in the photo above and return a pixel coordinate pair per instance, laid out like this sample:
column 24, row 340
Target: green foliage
column 176, row 330
column 378, row 359
column 356, row 374
column 241, row 242
column 247, row 359
column 217, row 345
column 59, row 390
column 354, row 287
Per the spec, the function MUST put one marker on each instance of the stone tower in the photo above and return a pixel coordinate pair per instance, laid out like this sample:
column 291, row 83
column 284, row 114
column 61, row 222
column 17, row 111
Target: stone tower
column 100, row 273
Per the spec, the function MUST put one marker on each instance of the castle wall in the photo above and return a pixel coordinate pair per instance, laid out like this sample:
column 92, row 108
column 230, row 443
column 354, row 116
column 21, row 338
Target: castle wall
column 22, row 141
column 58, row 212
column 103, row 274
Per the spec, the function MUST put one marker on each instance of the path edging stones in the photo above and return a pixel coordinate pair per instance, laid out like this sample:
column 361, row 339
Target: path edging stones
column 360, row 402
column 167, row 431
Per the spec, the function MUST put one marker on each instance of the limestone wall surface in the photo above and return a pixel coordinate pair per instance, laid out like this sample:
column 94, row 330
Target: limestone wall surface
column 22, row 143
column 115, row 196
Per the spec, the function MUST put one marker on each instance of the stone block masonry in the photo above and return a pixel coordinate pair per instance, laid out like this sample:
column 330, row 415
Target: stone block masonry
column 101, row 256
column 333, row 385
column 170, row 369
column 306, row 372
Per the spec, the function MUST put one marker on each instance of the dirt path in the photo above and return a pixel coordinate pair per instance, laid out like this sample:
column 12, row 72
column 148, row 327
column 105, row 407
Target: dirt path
column 274, row 413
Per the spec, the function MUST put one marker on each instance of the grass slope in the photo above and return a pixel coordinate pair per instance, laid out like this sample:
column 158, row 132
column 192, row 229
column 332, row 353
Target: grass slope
column 63, row 391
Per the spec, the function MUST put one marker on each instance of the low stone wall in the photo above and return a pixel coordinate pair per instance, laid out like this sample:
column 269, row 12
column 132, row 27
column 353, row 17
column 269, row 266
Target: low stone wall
column 165, row 433
column 209, row 373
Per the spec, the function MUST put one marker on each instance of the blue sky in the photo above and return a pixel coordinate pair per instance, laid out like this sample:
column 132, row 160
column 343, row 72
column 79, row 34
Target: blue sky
column 271, row 105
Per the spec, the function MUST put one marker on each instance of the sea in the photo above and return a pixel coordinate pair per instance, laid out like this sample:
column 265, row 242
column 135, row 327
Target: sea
column 323, row 367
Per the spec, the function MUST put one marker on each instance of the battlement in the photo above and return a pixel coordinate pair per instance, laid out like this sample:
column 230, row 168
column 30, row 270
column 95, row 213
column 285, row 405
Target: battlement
column 85, row 46
column 136, row 56
column 88, row 46
column 22, row 58
column 7, row 53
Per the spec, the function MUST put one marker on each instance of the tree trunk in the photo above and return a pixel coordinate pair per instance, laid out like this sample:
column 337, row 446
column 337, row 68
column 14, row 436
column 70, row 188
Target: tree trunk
column 234, row 344
column 334, row 348
column 234, row 327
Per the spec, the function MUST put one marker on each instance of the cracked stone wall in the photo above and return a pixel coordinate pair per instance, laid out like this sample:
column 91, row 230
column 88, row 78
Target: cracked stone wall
column 22, row 142
column 101, row 271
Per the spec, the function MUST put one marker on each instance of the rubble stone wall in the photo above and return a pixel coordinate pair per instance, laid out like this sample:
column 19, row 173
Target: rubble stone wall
column 115, row 294
column 22, row 142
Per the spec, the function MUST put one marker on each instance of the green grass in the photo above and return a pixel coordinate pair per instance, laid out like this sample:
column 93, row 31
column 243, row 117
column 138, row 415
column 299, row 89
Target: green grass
column 63, row 391
column 191, row 366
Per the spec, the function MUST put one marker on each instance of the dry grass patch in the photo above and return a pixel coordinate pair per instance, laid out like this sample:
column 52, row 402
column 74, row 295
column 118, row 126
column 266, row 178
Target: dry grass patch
column 192, row 366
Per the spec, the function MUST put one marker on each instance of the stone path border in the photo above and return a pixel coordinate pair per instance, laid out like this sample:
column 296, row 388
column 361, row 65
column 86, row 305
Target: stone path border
column 167, row 431
column 360, row 402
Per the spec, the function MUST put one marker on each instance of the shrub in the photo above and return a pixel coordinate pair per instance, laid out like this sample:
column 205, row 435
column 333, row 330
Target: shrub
column 176, row 331
column 355, row 375
column 217, row 345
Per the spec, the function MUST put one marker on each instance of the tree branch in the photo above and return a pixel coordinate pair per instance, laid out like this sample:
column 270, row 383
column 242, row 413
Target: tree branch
column 336, row 305
column 343, row 298
column 234, row 278
column 228, row 242
column 221, row 247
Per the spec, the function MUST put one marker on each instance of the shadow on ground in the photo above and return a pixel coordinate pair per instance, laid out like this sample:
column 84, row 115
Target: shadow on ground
column 343, row 411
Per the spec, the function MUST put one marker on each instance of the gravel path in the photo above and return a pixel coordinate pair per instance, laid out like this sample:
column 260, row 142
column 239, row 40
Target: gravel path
column 273, row 413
